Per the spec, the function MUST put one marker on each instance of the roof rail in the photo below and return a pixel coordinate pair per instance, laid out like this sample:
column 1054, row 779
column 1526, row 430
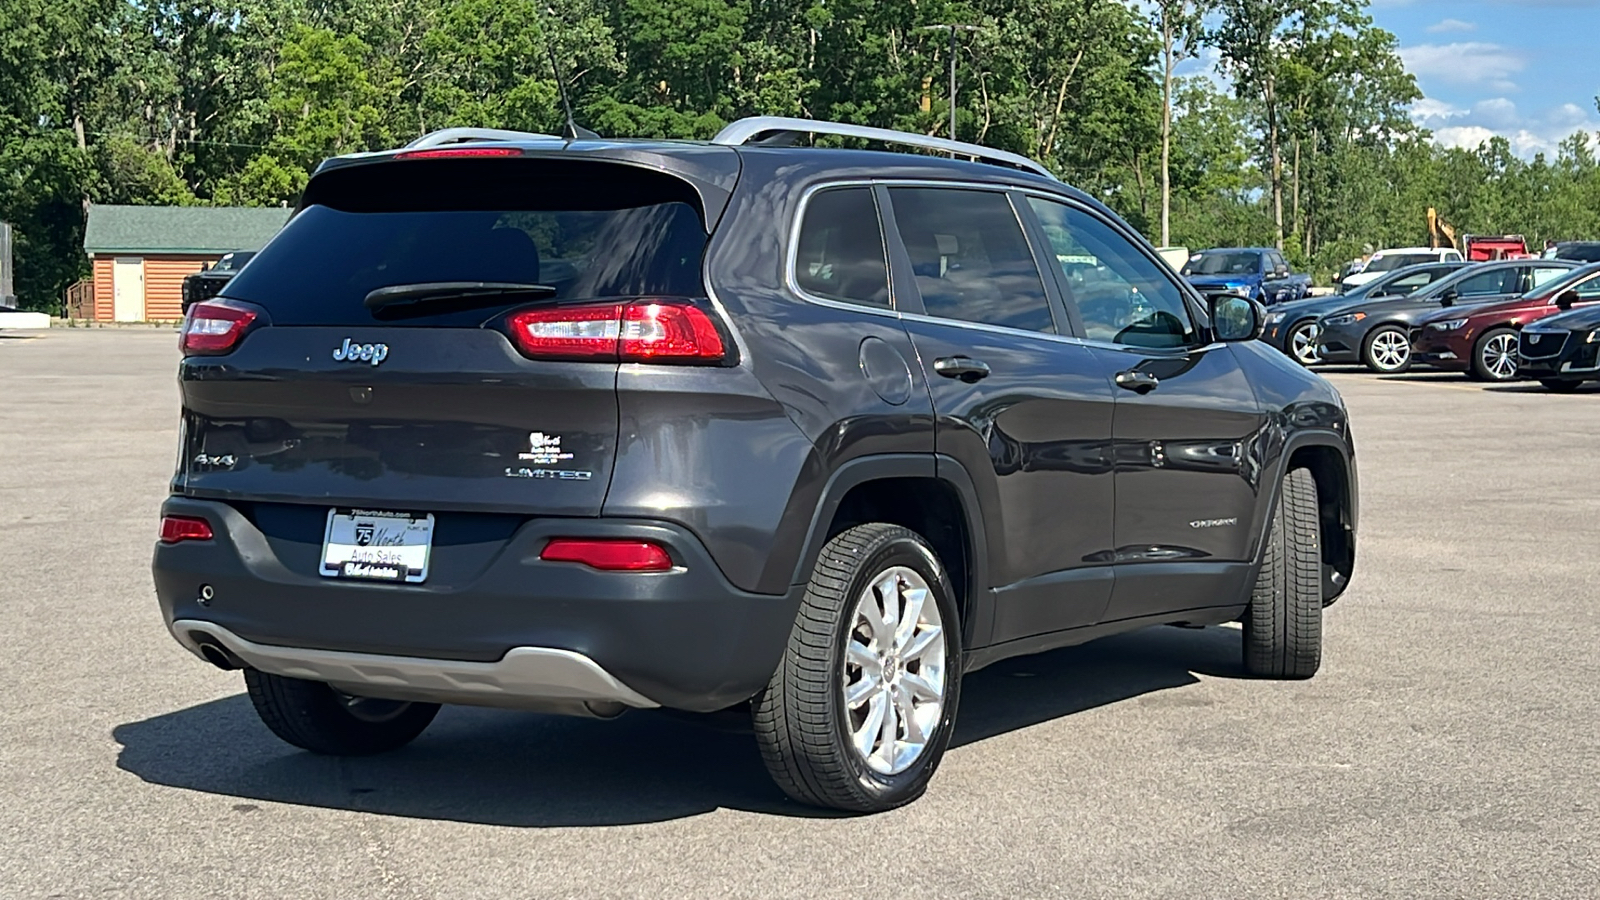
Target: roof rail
column 457, row 135
column 742, row 131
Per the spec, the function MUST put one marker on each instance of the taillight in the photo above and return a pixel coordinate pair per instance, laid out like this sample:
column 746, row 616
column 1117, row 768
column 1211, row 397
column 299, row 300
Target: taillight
column 609, row 554
column 176, row 529
column 216, row 326
column 637, row 331
column 459, row 152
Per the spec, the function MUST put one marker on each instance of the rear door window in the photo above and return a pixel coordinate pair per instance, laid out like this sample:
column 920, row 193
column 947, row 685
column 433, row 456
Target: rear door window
column 970, row 257
column 589, row 231
column 840, row 253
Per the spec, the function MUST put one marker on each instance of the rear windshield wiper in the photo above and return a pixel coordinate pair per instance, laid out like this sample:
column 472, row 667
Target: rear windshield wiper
column 451, row 294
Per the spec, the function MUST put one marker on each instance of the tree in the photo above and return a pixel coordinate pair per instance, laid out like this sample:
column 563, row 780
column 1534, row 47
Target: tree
column 1178, row 21
column 1249, row 42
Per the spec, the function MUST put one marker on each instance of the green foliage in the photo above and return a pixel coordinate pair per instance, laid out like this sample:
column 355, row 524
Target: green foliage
column 236, row 102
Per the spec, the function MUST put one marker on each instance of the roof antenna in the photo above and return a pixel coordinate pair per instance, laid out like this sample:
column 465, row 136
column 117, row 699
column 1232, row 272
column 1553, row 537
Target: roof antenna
column 571, row 131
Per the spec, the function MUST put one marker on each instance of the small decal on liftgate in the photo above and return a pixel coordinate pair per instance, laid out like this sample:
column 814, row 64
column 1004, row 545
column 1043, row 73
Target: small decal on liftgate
column 1214, row 523
column 223, row 461
column 544, row 449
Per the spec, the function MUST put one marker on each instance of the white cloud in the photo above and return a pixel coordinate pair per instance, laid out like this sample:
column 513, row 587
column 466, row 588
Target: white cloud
column 1496, row 113
column 1468, row 63
column 1449, row 25
column 1431, row 113
column 1540, row 132
column 1467, row 137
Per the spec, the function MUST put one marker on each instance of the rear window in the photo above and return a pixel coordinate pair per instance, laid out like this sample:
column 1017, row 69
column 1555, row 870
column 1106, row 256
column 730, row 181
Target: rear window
column 589, row 230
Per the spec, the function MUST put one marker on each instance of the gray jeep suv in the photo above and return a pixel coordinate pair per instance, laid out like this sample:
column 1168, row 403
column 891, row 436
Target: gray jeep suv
column 579, row 425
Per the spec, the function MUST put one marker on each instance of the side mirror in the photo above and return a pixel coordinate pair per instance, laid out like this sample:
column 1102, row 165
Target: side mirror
column 1280, row 273
column 1449, row 297
column 1235, row 318
column 1566, row 300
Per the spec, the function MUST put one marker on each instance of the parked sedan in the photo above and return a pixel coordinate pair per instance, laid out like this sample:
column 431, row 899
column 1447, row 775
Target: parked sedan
column 1292, row 327
column 1482, row 340
column 1378, row 334
column 1562, row 351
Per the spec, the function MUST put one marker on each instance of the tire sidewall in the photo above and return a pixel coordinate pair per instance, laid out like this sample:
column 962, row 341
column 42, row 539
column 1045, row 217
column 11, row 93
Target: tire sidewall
column 892, row 790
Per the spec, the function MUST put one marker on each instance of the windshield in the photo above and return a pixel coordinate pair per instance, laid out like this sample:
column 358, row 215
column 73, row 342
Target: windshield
column 1223, row 262
column 1388, row 263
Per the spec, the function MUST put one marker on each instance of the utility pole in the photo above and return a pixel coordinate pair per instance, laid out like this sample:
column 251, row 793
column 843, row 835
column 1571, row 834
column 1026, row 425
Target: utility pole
column 953, row 29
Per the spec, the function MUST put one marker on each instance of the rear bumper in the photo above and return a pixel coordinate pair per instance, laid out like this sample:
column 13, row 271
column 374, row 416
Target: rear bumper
column 493, row 625
column 540, row 677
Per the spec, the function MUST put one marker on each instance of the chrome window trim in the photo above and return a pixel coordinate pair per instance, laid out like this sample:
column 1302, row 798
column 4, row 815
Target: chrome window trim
column 791, row 256
column 792, row 253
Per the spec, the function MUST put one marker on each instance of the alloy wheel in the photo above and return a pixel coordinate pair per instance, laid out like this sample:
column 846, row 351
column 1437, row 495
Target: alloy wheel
column 1303, row 343
column 894, row 671
column 1499, row 357
column 1391, row 350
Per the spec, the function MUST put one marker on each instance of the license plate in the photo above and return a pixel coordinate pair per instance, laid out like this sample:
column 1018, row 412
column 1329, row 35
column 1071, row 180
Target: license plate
column 377, row 546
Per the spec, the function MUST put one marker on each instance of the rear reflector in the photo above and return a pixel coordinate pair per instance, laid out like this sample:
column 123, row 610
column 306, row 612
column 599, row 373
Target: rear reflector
column 609, row 554
column 459, row 152
column 215, row 326
column 639, row 331
column 176, row 529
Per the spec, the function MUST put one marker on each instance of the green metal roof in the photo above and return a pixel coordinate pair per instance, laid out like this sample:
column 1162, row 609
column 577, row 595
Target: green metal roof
column 180, row 229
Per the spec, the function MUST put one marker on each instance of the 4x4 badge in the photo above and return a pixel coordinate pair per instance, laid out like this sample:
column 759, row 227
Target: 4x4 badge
column 367, row 353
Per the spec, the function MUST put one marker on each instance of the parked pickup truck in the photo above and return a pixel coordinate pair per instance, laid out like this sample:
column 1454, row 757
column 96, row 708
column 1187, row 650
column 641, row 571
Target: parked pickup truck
column 1259, row 273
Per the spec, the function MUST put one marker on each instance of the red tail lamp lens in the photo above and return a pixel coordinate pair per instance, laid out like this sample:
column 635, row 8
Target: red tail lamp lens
column 214, row 327
column 637, row 331
column 653, row 331
column 609, row 555
column 176, row 529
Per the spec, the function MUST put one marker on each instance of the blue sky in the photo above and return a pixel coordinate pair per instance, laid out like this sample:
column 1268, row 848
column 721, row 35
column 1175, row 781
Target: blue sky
column 1525, row 69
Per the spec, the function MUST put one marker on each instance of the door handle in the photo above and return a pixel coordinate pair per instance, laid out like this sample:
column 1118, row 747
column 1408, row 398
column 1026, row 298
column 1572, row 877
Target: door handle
column 963, row 367
column 1137, row 381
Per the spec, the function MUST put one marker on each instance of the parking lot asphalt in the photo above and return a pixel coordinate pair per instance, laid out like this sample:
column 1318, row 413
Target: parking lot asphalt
column 1450, row 746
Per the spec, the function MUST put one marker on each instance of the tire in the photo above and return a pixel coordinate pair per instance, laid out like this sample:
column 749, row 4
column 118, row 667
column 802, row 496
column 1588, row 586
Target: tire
column 1283, row 623
column 1561, row 385
column 1494, row 356
column 806, row 726
column 1385, row 355
column 313, row 716
column 1305, row 351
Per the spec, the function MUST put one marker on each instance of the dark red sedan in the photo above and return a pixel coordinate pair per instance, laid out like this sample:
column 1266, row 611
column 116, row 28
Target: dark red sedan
column 1482, row 340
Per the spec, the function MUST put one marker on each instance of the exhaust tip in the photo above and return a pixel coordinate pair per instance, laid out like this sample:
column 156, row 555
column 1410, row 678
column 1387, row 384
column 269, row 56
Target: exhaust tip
column 215, row 654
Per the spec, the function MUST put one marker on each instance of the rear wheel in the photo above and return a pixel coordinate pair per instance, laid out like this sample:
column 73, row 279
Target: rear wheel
column 1560, row 385
column 1494, row 357
column 860, row 710
column 1302, row 342
column 1387, row 350
column 1283, row 623
column 314, row 716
